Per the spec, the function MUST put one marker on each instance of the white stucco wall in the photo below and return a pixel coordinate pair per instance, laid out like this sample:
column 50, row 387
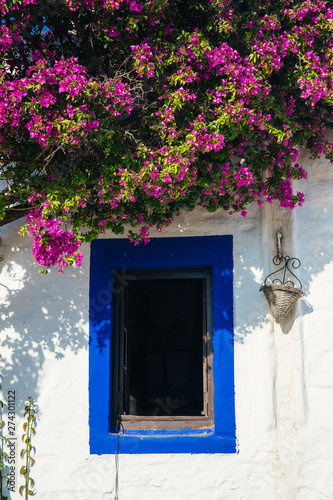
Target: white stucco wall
column 283, row 375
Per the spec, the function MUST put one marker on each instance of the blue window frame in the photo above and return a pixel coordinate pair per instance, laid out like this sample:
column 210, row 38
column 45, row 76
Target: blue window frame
column 209, row 252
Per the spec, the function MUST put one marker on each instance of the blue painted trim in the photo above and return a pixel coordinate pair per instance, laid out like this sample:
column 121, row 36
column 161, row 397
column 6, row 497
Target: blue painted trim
column 213, row 252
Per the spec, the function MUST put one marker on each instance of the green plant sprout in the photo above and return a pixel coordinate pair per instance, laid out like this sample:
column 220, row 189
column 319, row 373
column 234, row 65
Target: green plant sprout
column 3, row 454
column 30, row 412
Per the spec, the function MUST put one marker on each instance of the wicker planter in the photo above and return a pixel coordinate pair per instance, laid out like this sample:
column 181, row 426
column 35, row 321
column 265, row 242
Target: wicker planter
column 281, row 299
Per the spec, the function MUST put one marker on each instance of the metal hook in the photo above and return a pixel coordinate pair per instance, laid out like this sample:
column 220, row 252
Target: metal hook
column 279, row 237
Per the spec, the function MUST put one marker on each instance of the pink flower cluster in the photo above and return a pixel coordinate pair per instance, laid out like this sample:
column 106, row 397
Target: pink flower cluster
column 143, row 57
column 120, row 97
column 44, row 100
column 52, row 245
column 6, row 39
column 106, row 4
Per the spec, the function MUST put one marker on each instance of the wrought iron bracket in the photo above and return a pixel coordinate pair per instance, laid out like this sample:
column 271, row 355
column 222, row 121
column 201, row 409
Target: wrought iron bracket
column 287, row 276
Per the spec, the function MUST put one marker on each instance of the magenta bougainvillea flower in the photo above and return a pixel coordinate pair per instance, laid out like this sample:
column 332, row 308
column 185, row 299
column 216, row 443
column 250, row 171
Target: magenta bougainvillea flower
column 118, row 114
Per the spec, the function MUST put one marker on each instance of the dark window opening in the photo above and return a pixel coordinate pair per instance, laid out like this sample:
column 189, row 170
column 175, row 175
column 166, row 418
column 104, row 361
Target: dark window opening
column 162, row 348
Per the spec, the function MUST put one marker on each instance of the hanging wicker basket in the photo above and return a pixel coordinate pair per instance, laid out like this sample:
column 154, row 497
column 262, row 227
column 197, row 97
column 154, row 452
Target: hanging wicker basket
column 281, row 299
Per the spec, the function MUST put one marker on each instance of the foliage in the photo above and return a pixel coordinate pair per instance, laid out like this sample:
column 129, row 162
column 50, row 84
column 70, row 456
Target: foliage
column 3, row 454
column 29, row 431
column 116, row 112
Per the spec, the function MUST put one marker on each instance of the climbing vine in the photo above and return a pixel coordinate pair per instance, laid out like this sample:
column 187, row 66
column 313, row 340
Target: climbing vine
column 29, row 425
column 3, row 454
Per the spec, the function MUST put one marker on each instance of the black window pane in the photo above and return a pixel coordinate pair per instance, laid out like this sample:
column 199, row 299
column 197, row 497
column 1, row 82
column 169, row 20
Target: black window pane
column 164, row 347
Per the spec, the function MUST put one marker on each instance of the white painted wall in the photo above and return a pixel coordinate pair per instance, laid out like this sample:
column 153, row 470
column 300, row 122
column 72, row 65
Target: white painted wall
column 283, row 376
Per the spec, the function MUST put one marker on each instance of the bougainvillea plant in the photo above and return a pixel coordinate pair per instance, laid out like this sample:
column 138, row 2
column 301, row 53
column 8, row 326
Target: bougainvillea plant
column 119, row 113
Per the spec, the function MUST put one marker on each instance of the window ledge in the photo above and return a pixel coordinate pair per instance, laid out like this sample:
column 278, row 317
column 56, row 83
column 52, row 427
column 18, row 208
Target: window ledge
column 132, row 422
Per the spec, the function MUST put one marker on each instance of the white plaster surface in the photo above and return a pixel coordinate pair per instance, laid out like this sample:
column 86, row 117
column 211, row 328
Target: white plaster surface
column 283, row 374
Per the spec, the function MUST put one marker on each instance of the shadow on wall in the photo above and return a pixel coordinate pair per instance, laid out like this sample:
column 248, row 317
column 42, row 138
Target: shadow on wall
column 253, row 310
column 39, row 316
column 314, row 248
column 311, row 240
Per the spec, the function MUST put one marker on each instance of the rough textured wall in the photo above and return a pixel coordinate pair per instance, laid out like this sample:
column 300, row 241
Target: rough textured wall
column 283, row 375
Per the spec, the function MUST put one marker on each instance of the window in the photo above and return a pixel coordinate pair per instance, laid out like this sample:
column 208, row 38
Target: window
column 162, row 349
column 161, row 369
